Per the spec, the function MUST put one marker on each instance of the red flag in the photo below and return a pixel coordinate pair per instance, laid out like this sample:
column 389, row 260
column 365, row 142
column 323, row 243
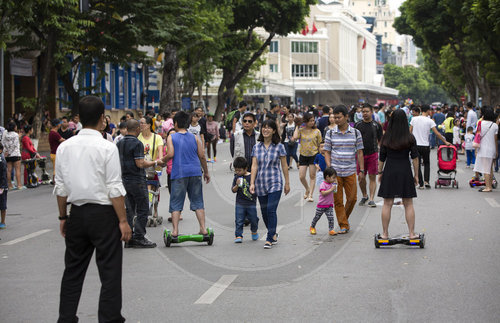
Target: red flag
column 314, row 29
column 304, row 32
column 364, row 43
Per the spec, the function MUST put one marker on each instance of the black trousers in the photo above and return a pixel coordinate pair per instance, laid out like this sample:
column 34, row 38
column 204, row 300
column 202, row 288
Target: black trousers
column 90, row 227
column 423, row 158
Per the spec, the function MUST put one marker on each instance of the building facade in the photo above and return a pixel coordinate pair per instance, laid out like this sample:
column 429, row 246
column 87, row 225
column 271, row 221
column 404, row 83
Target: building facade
column 333, row 63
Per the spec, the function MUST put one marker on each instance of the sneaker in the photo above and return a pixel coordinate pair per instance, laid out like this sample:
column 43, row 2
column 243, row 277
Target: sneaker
column 276, row 241
column 255, row 236
column 215, row 159
column 268, row 245
column 144, row 243
column 372, row 204
column 2, row 226
column 209, row 160
column 238, row 240
column 312, row 230
column 363, row 201
column 421, row 187
column 332, row 232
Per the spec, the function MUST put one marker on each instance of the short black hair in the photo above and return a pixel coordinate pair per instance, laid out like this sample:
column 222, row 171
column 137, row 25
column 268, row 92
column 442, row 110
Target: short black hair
column 122, row 125
column 251, row 115
column 240, row 162
column 273, row 105
column 367, row 105
column 91, row 108
column 11, row 126
column 425, row 108
column 488, row 113
column 182, row 119
column 329, row 171
column 326, row 110
column 416, row 109
column 242, row 104
column 469, row 128
column 340, row 109
column 64, row 118
column 131, row 114
column 470, row 105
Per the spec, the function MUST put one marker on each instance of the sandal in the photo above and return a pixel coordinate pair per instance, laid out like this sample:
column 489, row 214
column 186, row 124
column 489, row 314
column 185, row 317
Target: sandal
column 483, row 190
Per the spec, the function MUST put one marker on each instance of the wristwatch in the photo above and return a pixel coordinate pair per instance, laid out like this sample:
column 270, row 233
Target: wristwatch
column 65, row 217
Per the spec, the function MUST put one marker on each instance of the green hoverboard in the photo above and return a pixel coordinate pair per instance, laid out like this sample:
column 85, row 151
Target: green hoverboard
column 169, row 239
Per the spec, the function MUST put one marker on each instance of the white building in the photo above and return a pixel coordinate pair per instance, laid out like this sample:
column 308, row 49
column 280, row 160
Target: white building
column 408, row 50
column 335, row 64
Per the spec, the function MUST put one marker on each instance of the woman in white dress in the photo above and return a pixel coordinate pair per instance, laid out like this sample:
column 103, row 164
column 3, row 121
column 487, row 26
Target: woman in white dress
column 488, row 150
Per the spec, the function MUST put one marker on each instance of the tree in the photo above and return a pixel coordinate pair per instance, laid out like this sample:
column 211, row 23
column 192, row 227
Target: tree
column 48, row 26
column 414, row 83
column 275, row 17
column 468, row 31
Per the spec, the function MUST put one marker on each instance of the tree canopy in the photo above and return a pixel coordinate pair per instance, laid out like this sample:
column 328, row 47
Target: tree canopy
column 461, row 38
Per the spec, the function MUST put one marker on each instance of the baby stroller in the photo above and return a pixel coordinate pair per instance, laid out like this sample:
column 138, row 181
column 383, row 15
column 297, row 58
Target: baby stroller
column 32, row 178
column 447, row 165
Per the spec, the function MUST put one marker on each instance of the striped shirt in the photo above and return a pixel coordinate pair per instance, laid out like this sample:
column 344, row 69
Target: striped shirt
column 343, row 148
column 268, row 179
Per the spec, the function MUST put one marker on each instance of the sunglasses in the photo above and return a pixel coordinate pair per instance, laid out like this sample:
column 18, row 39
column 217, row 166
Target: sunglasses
column 247, row 121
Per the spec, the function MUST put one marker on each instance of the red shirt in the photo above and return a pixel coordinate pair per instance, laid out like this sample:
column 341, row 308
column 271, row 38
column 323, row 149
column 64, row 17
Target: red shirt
column 27, row 148
column 54, row 138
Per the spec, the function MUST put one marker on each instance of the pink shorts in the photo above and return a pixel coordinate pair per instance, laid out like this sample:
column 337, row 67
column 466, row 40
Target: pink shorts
column 371, row 164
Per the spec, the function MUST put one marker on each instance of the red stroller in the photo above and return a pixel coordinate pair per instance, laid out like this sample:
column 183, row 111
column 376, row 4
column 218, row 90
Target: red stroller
column 447, row 164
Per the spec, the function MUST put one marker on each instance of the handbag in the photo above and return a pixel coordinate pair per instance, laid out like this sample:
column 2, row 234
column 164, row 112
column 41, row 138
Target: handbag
column 151, row 171
column 477, row 138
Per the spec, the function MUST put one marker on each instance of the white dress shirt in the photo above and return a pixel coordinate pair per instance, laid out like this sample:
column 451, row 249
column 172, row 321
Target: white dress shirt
column 88, row 169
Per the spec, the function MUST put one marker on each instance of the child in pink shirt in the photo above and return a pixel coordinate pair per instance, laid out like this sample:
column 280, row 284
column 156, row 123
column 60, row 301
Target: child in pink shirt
column 325, row 201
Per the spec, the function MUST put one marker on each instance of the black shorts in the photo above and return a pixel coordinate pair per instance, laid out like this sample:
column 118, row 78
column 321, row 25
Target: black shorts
column 3, row 200
column 306, row 160
column 12, row 159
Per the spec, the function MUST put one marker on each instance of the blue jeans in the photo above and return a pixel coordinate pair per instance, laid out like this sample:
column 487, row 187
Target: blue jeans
column 190, row 185
column 471, row 157
column 242, row 211
column 268, row 206
column 137, row 203
column 291, row 151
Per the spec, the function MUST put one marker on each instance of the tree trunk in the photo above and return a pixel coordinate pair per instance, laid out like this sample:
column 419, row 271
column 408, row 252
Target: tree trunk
column 75, row 95
column 47, row 60
column 169, row 78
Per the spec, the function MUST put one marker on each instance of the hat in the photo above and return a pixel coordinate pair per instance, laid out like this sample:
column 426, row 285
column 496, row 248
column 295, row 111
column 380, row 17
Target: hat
column 55, row 122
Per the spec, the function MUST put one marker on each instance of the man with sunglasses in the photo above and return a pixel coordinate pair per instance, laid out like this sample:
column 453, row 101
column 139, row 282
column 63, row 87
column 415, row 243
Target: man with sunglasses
column 242, row 142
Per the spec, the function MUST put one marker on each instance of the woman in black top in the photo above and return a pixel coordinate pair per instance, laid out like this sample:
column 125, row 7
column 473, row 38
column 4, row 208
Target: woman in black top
column 396, row 178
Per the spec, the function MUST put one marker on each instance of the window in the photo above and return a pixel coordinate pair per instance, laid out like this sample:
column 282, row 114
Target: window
column 304, row 47
column 385, row 35
column 304, row 70
column 273, row 47
column 273, row 68
column 385, row 23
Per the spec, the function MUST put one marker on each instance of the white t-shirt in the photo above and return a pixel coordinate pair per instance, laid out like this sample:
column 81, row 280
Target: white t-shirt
column 488, row 143
column 421, row 129
column 456, row 135
column 469, row 138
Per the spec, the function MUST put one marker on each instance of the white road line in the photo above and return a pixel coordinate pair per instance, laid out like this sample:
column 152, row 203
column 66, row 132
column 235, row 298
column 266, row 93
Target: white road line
column 278, row 229
column 26, row 237
column 218, row 288
column 492, row 202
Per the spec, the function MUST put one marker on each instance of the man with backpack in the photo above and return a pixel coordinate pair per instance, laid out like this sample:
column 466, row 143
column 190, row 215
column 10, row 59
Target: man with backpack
column 371, row 132
column 235, row 117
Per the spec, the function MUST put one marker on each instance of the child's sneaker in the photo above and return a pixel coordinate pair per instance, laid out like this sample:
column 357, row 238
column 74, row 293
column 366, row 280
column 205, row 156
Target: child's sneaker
column 332, row 232
column 312, row 230
column 238, row 240
column 255, row 236
column 209, row 160
column 215, row 159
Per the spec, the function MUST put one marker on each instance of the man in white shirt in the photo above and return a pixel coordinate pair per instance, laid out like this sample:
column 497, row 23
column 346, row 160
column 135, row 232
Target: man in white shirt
column 420, row 127
column 471, row 117
column 89, row 177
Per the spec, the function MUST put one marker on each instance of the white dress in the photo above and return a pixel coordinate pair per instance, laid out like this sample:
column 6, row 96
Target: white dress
column 487, row 151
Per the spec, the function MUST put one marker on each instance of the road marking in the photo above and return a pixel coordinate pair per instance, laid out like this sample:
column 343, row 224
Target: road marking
column 216, row 290
column 492, row 202
column 278, row 229
column 26, row 237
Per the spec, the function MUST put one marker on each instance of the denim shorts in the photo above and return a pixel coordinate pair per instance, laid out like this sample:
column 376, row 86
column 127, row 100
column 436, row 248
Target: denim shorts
column 190, row 185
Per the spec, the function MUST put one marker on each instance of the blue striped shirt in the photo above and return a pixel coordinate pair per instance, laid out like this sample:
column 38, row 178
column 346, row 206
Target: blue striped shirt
column 343, row 148
column 268, row 179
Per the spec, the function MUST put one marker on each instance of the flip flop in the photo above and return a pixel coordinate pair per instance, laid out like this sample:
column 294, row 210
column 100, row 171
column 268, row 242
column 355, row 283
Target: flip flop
column 483, row 190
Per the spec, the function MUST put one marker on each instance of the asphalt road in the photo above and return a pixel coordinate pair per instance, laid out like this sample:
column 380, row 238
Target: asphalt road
column 303, row 278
